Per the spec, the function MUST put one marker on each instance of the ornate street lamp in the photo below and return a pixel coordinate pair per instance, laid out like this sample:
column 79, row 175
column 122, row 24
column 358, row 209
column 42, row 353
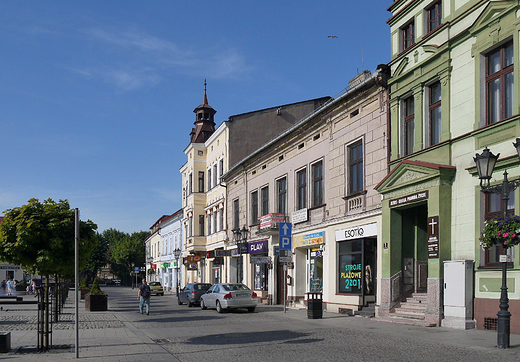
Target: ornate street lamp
column 485, row 164
column 177, row 253
column 241, row 239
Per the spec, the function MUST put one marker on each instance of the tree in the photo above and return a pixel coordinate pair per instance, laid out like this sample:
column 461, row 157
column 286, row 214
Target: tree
column 40, row 237
column 98, row 257
column 127, row 250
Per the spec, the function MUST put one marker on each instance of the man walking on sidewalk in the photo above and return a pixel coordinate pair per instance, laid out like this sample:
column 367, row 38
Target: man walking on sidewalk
column 143, row 295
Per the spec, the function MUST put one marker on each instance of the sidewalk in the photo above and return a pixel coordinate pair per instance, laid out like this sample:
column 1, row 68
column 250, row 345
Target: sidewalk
column 114, row 335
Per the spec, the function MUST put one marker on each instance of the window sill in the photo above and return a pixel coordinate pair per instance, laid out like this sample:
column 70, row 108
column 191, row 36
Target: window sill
column 355, row 194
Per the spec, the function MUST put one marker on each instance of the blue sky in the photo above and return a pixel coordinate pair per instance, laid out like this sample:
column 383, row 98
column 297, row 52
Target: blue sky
column 97, row 97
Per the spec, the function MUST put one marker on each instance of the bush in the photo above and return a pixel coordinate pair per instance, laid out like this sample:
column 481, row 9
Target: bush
column 95, row 288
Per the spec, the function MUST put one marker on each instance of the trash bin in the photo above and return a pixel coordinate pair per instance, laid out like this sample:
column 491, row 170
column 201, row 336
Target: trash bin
column 314, row 305
column 5, row 342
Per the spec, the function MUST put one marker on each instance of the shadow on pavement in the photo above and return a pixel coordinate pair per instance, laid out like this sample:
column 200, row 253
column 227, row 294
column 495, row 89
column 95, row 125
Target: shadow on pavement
column 249, row 338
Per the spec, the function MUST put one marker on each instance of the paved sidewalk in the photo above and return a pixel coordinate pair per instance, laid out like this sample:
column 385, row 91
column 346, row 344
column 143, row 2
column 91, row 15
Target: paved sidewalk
column 121, row 334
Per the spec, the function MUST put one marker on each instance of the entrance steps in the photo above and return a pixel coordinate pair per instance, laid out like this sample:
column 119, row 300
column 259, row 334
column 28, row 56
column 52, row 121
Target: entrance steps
column 411, row 312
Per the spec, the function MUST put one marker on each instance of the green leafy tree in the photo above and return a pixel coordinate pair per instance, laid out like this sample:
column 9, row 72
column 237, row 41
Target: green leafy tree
column 40, row 237
column 127, row 250
column 98, row 257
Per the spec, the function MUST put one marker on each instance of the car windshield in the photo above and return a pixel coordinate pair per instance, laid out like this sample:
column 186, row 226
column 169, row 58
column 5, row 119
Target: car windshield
column 155, row 284
column 229, row 287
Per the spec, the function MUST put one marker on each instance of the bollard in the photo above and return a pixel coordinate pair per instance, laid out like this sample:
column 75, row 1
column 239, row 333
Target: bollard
column 5, row 342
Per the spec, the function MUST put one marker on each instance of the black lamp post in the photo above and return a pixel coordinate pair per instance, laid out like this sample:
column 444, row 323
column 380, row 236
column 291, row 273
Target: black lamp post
column 177, row 254
column 485, row 164
column 241, row 238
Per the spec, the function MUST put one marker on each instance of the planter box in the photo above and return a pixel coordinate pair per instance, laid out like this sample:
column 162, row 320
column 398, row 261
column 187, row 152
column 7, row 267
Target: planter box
column 96, row 302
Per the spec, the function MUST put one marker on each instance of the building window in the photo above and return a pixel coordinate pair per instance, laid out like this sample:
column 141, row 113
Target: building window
column 264, row 194
column 236, row 214
column 499, row 83
column 209, row 179
column 254, row 207
column 190, row 184
column 210, row 217
column 215, row 221
column 215, row 175
column 201, row 181
column 409, row 125
column 301, row 179
column 317, row 184
column 407, row 36
column 355, row 165
column 221, row 167
column 221, row 216
column 434, row 16
column 495, row 208
column 281, row 189
column 201, row 225
column 435, row 112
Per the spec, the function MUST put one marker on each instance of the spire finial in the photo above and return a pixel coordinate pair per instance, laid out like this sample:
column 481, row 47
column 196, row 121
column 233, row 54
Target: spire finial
column 205, row 100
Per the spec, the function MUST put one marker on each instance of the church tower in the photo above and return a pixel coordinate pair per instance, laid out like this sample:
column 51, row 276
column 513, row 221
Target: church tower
column 204, row 123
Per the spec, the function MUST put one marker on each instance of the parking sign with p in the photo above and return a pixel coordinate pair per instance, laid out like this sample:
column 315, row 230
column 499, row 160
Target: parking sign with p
column 285, row 235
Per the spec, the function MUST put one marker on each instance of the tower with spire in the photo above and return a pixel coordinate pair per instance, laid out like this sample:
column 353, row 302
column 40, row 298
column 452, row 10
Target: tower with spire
column 204, row 122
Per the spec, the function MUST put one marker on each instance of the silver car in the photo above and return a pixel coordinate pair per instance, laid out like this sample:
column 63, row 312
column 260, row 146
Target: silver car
column 229, row 296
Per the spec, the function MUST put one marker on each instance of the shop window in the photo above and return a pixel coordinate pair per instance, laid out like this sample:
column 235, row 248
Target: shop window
column 409, row 124
column 350, row 263
column 254, row 207
column 355, row 168
column 434, row 16
column 317, row 184
column 315, row 270
column 500, row 83
column 281, row 188
column 301, row 179
column 260, row 276
column 434, row 111
column 495, row 208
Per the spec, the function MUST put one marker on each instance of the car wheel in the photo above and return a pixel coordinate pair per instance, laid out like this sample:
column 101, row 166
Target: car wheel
column 251, row 309
column 219, row 307
column 162, row 294
column 190, row 304
column 202, row 305
column 179, row 300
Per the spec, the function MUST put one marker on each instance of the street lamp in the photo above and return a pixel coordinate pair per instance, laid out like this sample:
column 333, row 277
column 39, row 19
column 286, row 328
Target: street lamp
column 177, row 254
column 241, row 238
column 485, row 164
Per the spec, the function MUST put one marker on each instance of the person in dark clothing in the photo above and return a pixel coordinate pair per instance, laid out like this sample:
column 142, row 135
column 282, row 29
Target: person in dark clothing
column 143, row 295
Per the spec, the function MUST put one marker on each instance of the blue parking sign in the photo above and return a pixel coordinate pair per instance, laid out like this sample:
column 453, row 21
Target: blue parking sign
column 285, row 235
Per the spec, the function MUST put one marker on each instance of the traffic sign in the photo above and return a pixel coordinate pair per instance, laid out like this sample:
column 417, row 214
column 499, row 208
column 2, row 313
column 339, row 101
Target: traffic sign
column 285, row 235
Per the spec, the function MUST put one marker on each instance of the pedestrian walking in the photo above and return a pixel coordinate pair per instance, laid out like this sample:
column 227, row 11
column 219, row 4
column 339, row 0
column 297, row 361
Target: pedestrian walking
column 9, row 287
column 143, row 295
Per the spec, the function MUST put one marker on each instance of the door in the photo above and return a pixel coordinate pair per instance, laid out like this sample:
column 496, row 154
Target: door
column 415, row 249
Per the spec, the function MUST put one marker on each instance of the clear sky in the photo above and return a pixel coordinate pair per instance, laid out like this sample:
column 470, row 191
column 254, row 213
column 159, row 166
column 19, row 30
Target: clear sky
column 97, row 97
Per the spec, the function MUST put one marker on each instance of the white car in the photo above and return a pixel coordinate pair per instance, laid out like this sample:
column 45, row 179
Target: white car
column 229, row 296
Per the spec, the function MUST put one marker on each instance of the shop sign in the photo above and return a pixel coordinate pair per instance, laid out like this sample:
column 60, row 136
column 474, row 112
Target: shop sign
column 357, row 232
column 257, row 247
column 308, row 239
column 433, row 237
column 222, row 253
column 165, row 265
column 350, row 274
column 418, row 196
column 154, row 266
column 9, row 267
column 218, row 261
column 271, row 220
column 299, row 216
column 260, row 260
column 192, row 266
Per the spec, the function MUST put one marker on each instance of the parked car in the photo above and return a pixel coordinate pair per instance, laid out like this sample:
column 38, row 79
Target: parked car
column 229, row 296
column 191, row 293
column 156, row 288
